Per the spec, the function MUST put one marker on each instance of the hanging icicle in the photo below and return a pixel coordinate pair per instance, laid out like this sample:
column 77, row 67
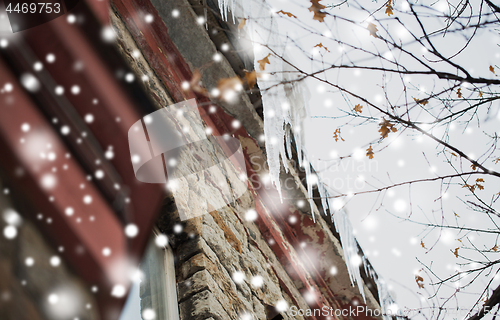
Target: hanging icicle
column 284, row 104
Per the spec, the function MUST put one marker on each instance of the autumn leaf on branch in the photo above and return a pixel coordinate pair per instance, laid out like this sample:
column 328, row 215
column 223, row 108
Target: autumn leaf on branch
column 473, row 166
column 243, row 22
column 372, row 29
column 497, row 160
column 369, row 152
column 358, row 108
column 456, row 252
column 389, row 8
column 250, row 78
column 422, row 102
column 385, row 128
column 492, row 69
column 495, row 248
column 459, row 92
column 337, row 136
column 262, row 62
column 316, row 7
column 422, row 244
column 470, row 187
column 287, row 13
column 480, row 94
column 456, row 215
column 420, row 281
column 320, row 45
column 474, row 186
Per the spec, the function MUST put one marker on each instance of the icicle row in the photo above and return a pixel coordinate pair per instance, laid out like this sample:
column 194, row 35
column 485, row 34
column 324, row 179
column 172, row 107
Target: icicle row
column 285, row 107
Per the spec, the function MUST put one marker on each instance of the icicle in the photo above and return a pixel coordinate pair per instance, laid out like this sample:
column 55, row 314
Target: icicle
column 205, row 13
column 307, row 167
column 279, row 122
column 324, row 196
column 350, row 246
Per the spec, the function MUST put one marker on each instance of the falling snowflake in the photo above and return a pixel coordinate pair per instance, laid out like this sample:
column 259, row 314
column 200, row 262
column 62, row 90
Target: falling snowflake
column 87, row 199
column 55, row 261
column 10, row 232
column 251, row 215
column 148, row 314
column 238, row 277
column 281, row 306
column 161, row 240
column 131, row 230
column 257, row 281
column 30, row 82
column 50, row 58
column 106, row 252
column 118, row 291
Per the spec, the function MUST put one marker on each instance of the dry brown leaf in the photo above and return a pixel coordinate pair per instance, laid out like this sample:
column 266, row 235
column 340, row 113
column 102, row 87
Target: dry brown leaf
column 470, row 187
column 251, row 78
column 372, row 29
column 420, row 281
column 385, row 128
column 316, row 7
column 422, row 102
column 492, row 69
column 369, row 152
column 287, row 13
column 480, row 94
column 320, row 45
column 459, row 92
column 473, row 166
column 456, row 215
column 243, row 22
column 358, row 108
column 337, row 136
column 422, row 244
column 262, row 62
column 495, row 248
column 456, row 252
column 389, row 8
